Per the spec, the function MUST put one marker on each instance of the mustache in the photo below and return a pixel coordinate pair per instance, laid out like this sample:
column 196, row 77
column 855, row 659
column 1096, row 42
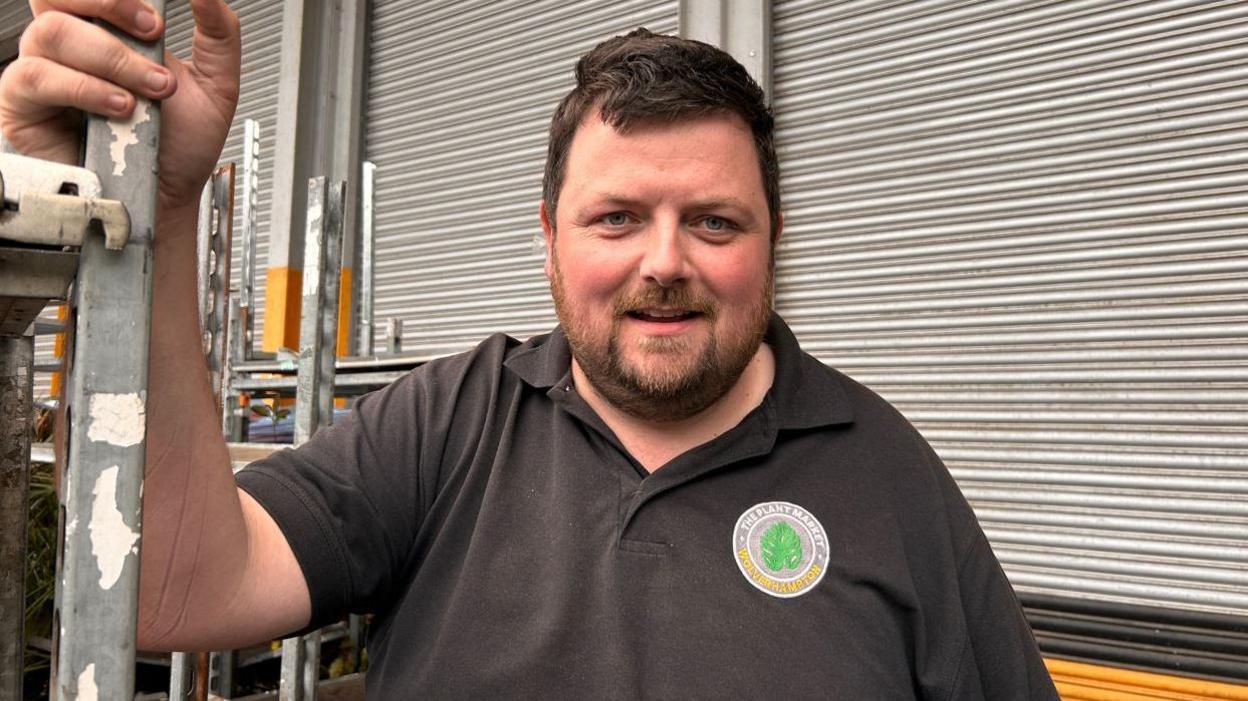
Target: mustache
column 668, row 297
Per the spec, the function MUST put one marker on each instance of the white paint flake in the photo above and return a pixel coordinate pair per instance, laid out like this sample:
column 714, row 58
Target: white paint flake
column 111, row 539
column 87, row 690
column 118, row 419
column 123, row 134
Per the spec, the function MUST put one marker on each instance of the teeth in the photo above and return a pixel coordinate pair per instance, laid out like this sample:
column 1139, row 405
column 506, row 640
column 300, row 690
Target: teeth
column 662, row 314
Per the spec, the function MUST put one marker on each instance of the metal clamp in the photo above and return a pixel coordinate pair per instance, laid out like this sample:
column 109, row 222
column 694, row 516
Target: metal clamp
column 53, row 204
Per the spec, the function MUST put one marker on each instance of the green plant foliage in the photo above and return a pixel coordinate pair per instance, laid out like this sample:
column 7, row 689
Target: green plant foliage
column 781, row 547
column 40, row 562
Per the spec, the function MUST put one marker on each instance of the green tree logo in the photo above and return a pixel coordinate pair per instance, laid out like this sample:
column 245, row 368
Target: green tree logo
column 781, row 547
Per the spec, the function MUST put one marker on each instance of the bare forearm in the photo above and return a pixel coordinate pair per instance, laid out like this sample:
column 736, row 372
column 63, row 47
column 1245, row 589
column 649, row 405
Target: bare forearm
column 194, row 536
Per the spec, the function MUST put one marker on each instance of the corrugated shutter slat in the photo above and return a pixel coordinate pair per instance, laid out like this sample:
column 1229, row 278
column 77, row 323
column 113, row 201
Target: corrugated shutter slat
column 457, row 111
column 1025, row 224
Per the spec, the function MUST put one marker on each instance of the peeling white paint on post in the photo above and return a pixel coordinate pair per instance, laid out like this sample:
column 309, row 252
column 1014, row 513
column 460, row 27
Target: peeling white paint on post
column 112, row 541
column 119, row 419
column 123, row 132
column 87, row 690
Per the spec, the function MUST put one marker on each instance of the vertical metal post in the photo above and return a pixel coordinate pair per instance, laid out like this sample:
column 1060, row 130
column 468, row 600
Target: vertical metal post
column 97, row 592
column 394, row 335
column 231, row 409
column 311, row 337
column 203, row 244
column 364, row 345
column 221, row 674
column 181, row 676
column 219, row 245
column 16, row 373
column 251, row 185
column 314, row 390
column 331, row 283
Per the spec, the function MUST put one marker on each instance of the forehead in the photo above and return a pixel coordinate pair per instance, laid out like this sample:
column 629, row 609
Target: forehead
column 707, row 156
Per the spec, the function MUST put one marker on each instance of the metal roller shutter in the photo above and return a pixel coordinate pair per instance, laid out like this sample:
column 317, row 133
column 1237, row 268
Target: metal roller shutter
column 14, row 16
column 459, row 100
column 261, row 23
column 1024, row 224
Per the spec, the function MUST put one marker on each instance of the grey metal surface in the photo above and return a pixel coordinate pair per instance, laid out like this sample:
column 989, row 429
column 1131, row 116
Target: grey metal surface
column 740, row 27
column 318, row 331
column 364, row 339
column 217, row 306
column 181, row 676
column 1023, row 223
column 251, row 186
column 16, row 412
column 329, row 283
column 28, row 279
column 458, row 105
column 100, row 490
column 311, row 336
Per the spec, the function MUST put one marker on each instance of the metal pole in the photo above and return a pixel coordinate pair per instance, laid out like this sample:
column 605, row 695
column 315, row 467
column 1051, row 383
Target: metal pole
column 232, row 412
column 221, row 674
column 219, row 245
column 311, row 336
column 330, row 282
column 394, row 335
column 97, row 592
column 16, row 373
column 251, row 185
column 367, row 258
column 301, row 655
column 203, row 243
column 181, row 676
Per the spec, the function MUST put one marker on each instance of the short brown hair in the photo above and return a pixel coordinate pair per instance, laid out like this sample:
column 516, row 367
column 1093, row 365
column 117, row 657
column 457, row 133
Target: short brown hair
column 642, row 77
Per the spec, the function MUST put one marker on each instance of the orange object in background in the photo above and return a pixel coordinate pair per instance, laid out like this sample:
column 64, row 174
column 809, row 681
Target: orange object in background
column 1077, row 681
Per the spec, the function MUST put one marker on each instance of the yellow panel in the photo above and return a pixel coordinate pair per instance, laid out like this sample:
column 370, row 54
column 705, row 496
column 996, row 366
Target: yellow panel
column 1077, row 681
column 282, row 297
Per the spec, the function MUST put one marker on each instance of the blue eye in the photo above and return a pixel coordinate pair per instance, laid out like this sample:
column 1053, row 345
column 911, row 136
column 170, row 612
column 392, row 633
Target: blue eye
column 615, row 219
column 715, row 223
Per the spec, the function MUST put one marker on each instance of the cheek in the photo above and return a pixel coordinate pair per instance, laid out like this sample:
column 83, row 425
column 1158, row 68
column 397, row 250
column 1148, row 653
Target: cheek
column 738, row 277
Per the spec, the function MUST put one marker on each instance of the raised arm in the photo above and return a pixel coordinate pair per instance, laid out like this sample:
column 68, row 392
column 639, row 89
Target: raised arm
column 215, row 569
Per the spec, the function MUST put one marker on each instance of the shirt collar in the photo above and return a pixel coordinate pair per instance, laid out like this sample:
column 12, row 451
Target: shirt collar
column 804, row 394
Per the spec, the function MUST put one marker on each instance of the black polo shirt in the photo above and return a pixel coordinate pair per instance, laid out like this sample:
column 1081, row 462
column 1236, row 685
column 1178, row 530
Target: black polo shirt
column 511, row 548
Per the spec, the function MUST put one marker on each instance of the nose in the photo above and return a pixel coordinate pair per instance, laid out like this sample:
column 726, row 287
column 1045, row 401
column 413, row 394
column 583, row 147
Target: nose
column 664, row 261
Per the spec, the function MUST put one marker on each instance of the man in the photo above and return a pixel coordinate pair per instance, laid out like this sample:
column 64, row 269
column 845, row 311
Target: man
column 664, row 497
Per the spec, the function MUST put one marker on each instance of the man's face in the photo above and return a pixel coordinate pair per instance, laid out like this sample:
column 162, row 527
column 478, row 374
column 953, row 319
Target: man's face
column 660, row 261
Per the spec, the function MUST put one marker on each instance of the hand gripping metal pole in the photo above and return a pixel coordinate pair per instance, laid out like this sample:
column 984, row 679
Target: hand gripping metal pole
column 97, row 590
column 314, row 393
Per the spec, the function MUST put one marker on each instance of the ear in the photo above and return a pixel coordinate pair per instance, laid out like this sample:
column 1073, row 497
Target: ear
column 548, row 235
column 775, row 237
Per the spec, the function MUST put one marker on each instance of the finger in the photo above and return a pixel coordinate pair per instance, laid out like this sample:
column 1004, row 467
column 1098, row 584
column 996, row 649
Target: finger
column 134, row 17
column 90, row 49
column 216, row 48
column 39, row 89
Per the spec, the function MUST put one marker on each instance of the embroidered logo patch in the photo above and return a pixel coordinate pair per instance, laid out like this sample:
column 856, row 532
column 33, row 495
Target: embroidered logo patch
column 780, row 548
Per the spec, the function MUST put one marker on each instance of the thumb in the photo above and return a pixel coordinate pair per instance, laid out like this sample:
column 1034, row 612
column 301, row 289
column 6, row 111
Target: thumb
column 216, row 47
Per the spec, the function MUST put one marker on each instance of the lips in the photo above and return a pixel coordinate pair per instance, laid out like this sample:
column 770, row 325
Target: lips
column 662, row 316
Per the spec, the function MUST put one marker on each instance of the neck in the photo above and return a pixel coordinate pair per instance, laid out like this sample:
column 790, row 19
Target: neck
column 655, row 443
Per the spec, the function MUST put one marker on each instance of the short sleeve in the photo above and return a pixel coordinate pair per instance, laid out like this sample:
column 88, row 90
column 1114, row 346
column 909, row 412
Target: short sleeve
column 348, row 501
column 997, row 657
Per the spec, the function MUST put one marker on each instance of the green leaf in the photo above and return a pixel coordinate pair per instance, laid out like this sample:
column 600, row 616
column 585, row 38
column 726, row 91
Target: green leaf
column 782, row 548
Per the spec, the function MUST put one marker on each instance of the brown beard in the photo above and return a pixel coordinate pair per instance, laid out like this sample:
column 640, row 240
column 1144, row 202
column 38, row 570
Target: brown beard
column 662, row 396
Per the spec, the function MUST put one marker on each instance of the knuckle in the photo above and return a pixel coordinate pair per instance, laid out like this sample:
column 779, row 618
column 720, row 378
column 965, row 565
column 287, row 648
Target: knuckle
column 81, row 93
column 107, row 8
column 115, row 62
column 46, row 32
column 29, row 73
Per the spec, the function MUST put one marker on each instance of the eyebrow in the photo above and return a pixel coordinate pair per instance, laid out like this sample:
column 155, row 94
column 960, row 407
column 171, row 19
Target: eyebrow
column 612, row 199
